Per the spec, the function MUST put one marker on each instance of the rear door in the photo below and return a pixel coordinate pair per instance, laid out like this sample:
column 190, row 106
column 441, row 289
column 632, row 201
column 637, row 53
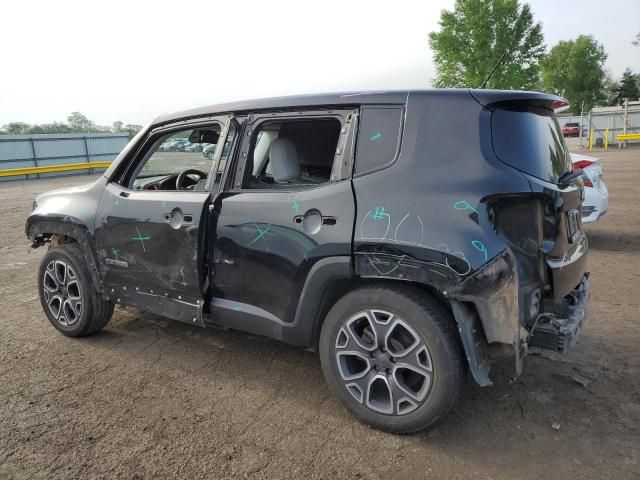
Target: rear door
column 149, row 230
column 271, row 231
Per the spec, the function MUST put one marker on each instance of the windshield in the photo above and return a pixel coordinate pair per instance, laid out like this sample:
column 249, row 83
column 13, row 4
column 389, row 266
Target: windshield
column 529, row 138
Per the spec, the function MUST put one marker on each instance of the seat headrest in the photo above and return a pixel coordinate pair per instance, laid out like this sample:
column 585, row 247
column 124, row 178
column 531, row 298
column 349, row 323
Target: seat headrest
column 284, row 160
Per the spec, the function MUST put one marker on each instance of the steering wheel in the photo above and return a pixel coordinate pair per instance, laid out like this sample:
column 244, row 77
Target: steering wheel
column 183, row 176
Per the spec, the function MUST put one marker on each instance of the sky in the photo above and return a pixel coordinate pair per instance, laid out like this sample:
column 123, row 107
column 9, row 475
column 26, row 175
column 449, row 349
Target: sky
column 134, row 60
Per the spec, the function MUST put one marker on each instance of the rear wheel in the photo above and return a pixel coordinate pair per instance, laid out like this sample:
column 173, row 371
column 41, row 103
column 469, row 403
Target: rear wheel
column 67, row 293
column 393, row 357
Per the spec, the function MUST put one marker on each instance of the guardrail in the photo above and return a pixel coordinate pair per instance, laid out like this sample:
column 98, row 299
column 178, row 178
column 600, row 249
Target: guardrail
column 10, row 172
column 627, row 136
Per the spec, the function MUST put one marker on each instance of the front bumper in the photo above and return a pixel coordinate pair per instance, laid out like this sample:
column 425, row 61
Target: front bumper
column 559, row 329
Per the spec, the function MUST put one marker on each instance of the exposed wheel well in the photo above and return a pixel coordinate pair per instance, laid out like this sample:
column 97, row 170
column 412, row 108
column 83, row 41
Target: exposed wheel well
column 60, row 239
column 341, row 287
column 56, row 234
column 464, row 317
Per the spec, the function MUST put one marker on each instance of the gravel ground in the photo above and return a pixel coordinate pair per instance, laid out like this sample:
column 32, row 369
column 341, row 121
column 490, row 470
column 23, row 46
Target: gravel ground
column 152, row 398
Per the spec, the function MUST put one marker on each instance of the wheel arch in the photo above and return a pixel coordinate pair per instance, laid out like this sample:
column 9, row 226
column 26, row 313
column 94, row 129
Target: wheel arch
column 57, row 233
column 468, row 324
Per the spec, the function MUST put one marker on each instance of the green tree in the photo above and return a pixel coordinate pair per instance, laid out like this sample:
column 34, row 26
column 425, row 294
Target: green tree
column 636, row 42
column 627, row 88
column 474, row 36
column 610, row 87
column 55, row 127
column 79, row 123
column 116, row 126
column 16, row 128
column 131, row 129
column 574, row 69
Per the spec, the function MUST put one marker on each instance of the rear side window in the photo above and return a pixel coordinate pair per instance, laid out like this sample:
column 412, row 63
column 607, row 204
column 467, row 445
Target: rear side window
column 529, row 138
column 378, row 138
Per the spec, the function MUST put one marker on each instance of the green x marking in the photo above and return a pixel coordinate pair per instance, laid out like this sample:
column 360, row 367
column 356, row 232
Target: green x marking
column 261, row 233
column 141, row 239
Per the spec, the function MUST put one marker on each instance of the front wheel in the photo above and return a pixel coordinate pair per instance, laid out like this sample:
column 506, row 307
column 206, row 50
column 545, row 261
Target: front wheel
column 393, row 357
column 67, row 293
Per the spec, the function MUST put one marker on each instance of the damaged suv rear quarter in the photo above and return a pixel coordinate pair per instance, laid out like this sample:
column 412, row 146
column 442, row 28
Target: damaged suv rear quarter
column 449, row 214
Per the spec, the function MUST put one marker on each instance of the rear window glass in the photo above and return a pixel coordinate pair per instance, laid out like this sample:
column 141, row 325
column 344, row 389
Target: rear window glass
column 530, row 139
column 378, row 137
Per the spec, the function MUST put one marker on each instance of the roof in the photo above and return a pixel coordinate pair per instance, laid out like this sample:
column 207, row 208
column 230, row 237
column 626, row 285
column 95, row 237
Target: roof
column 339, row 99
column 293, row 101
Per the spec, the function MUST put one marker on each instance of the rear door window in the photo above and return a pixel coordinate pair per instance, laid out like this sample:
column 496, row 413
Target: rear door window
column 530, row 139
column 378, row 137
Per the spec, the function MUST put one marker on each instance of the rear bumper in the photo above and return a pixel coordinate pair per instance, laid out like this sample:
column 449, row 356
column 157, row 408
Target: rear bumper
column 559, row 329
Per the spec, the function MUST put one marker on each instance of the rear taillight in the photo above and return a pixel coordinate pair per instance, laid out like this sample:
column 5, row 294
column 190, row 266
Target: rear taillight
column 561, row 105
column 582, row 164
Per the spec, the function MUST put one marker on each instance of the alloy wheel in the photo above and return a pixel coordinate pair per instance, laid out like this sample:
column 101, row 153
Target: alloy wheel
column 383, row 362
column 62, row 293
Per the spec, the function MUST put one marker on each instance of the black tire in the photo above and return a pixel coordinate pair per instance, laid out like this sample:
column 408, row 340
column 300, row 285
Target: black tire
column 431, row 321
column 93, row 312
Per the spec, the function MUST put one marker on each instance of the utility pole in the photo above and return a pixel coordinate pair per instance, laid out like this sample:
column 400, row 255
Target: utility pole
column 626, row 118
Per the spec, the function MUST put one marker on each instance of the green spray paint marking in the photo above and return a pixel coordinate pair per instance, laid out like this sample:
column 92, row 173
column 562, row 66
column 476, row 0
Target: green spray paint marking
column 376, row 136
column 296, row 206
column 237, row 308
column 379, row 213
column 116, row 255
column 183, row 279
column 261, row 233
column 464, row 205
column 478, row 245
column 141, row 239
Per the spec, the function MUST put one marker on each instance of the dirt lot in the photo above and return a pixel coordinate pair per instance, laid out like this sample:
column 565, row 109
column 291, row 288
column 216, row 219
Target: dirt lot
column 152, row 398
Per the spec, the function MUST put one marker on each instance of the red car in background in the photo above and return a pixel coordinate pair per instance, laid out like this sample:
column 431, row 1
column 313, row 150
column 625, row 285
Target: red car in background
column 571, row 130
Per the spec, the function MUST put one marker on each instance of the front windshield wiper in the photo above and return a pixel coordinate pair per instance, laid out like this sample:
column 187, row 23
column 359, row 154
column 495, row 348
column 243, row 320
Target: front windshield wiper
column 567, row 177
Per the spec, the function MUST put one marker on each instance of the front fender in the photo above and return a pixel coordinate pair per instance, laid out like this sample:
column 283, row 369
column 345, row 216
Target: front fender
column 68, row 212
column 41, row 231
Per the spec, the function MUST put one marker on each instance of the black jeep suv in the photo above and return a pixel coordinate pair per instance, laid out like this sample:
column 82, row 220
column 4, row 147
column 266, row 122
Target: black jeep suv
column 407, row 236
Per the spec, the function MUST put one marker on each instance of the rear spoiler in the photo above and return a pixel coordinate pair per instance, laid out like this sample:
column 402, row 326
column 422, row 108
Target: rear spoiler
column 545, row 100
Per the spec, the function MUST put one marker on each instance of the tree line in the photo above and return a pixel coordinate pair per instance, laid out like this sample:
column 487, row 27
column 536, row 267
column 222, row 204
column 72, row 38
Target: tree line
column 76, row 123
column 477, row 33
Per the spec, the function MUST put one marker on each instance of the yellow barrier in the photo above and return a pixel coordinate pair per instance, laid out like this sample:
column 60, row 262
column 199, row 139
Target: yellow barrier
column 591, row 139
column 53, row 168
column 606, row 138
column 627, row 136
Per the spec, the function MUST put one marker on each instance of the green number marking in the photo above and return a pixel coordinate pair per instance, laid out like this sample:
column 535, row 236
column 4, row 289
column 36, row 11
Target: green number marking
column 464, row 205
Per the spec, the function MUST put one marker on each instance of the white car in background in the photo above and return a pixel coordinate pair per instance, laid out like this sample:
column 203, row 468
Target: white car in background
column 596, row 195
